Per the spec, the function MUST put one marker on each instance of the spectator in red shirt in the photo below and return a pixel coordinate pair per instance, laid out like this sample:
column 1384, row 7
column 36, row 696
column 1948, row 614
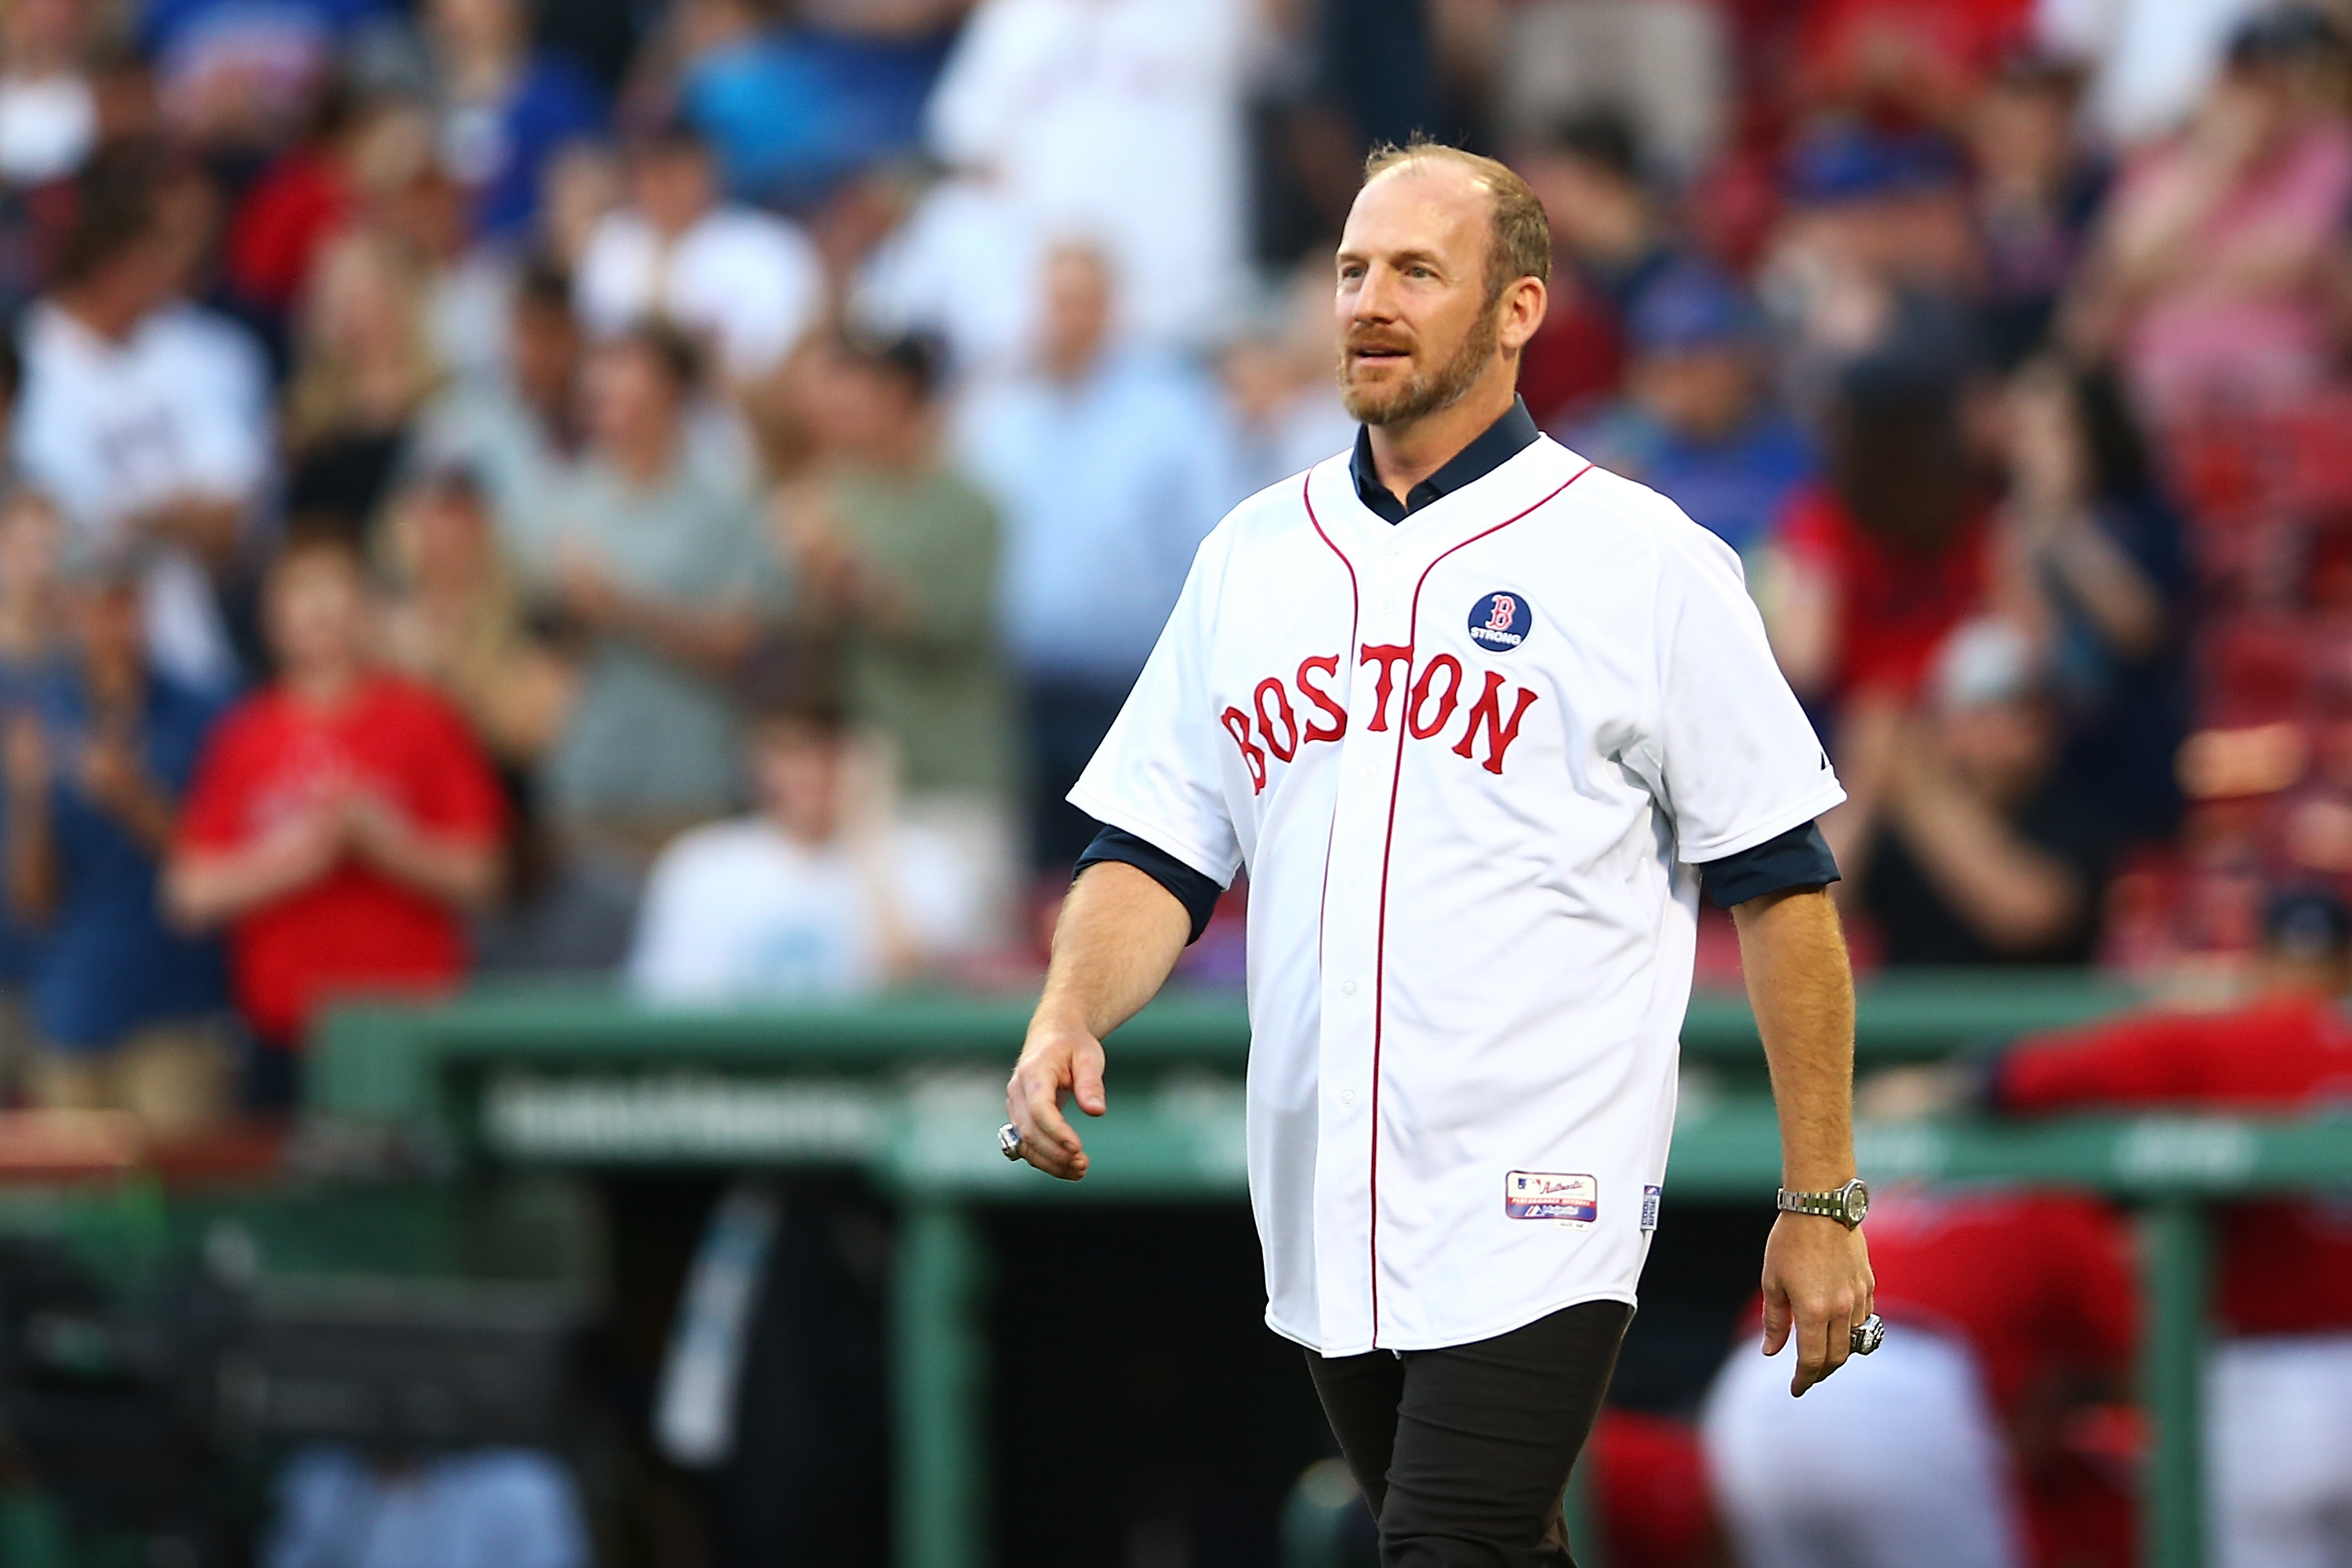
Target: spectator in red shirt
column 2005, row 1308
column 1870, row 572
column 1876, row 566
column 2280, row 1386
column 342, row 822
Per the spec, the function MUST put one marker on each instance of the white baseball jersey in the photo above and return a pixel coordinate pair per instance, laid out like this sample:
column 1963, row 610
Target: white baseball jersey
column 1471, row 762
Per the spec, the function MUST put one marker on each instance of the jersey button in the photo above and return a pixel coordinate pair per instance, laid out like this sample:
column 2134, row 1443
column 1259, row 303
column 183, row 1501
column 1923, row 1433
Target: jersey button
column 1346, row 988
column 1346, row 1097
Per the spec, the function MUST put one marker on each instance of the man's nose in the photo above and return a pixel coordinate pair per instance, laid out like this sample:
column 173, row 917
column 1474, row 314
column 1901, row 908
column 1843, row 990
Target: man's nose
column 1375, row 297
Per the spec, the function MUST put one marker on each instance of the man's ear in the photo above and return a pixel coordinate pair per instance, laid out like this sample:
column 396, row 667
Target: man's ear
column 1523, row 307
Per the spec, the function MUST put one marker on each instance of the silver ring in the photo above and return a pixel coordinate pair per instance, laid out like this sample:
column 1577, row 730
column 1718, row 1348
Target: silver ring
column 1008, row 1143
column 1869, row 1334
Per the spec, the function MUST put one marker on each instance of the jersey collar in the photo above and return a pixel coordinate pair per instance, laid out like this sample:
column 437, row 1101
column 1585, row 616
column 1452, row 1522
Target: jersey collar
column 1522, row 482
column 1506, row 438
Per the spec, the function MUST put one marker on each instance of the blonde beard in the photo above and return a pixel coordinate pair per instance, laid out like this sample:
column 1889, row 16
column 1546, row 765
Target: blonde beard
column 1425, row 394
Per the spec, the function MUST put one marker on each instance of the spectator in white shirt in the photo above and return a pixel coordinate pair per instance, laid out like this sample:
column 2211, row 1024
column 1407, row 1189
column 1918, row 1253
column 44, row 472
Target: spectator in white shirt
column 1121, row 118
column 821, row 893
column 146, row 418
column 48, row 116
column 2150, row 61
column 747, row 281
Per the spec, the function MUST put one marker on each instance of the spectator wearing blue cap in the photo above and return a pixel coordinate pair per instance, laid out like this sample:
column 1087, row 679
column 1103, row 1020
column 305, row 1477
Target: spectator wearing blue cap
column 1878, row 228
column 1697, row 422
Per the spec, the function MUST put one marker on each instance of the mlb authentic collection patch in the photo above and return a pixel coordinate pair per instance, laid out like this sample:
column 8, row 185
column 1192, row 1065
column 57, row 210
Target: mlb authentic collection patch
column 1550, row 1194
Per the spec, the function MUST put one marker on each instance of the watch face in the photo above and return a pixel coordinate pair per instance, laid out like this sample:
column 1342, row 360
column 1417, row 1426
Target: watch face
column 1857, row 1203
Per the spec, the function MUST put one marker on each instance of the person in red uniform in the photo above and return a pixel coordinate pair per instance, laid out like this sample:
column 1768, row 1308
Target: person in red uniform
column 2004, row 1308
column 342, row 820
column 2279, row 1401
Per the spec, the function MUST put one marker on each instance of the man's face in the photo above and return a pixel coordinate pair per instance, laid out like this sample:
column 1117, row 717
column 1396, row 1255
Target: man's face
column 478, row 23
column 2002, row 749
column 1702, row 395
column 1417, row 328
column 109, row 626
column 1078, row 308
column 858, row 405
column 317, row 610
column 796, row 768
column 674, row 186
column 630, row 399
column 543, row 343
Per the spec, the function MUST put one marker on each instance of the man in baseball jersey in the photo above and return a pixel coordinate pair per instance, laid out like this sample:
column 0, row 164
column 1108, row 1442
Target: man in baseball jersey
column 1481, row 721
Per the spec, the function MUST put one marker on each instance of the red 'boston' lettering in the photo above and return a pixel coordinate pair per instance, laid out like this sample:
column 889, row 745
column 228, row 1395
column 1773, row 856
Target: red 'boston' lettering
column 1422, row 689
column 1329, row 665
column 1500, row 732
column 1388, row 656
column 1285, row 745
column 1237, row 725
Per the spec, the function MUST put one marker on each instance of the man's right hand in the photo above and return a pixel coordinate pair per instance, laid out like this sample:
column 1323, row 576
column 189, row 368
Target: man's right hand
column 1058, row 1059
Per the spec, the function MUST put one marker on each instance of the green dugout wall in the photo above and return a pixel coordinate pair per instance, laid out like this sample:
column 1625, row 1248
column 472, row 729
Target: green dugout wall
column 911, row 1090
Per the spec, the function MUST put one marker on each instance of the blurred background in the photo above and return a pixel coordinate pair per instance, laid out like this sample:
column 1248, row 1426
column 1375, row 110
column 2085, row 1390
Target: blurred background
column 557, row 560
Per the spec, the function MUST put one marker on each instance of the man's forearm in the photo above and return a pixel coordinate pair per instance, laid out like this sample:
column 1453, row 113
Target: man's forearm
column 1118, row 940
column 1801, row 988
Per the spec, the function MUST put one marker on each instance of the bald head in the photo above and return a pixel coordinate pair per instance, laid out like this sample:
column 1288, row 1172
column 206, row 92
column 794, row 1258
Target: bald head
column 1518, row 237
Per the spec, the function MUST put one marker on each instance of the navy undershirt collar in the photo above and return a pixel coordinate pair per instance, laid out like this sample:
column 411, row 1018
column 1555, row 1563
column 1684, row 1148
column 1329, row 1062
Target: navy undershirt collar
column 1506, row 438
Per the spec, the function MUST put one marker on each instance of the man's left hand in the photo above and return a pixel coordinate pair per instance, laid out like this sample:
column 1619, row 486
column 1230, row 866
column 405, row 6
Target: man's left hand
column 1817, row 1287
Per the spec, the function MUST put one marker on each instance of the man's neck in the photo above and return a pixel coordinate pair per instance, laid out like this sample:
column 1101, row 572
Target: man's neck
column 1072, row 368
column 103, row 312
column 325, row 686
column 646, row 464
column 1406, row 454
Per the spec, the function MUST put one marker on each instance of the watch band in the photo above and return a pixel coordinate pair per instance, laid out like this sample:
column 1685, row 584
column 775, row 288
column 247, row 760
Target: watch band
column 1845, row 1205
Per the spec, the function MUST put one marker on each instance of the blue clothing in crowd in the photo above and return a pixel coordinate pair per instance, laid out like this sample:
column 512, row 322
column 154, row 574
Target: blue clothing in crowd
column 1105, row 494
column 794, row 111
column 1735, row 488
column 553, row 103
column 168, row 25
column 493, row 1507
column 106, row 963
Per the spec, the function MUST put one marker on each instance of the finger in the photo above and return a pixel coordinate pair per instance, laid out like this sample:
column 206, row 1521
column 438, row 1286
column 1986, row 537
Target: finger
column 1045, row 1120
column 1087, row 1081
column 1054, row 1161
column 1809, row 1357
column 1776, row 1322
column 1812, row 1353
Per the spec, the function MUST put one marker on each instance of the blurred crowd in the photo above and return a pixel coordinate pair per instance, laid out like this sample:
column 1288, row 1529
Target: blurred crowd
column 681, row 492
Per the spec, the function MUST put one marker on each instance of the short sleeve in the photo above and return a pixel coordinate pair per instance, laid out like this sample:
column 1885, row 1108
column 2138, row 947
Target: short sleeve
column 671, row 958
column 225, row 419
column 1730, row 752
column 213, row 818
column 1160, row 771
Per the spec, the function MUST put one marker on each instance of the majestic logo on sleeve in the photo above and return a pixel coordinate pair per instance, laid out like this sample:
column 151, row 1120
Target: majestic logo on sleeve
column 1500, row 622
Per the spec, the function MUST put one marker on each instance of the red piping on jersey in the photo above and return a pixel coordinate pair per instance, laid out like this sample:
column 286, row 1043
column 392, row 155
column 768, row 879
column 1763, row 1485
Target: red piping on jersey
column 1355, row 612
column 1388, row 846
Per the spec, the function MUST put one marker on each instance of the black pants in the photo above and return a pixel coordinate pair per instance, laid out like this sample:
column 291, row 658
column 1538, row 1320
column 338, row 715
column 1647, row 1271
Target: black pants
column 1464, row 1453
